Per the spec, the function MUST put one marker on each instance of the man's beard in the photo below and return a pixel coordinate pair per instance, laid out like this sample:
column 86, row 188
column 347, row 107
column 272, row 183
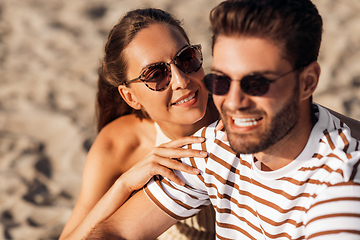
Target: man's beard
column 280, row 126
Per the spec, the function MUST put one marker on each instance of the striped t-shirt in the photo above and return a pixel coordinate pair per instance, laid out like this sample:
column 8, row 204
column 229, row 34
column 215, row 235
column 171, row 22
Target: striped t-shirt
column 316, row 196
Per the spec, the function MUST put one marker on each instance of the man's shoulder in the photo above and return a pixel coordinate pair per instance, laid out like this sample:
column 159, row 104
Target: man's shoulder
column 333, row 132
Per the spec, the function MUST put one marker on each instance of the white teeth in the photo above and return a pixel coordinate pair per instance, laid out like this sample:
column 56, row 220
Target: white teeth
column 245, row 122
column 185, row 100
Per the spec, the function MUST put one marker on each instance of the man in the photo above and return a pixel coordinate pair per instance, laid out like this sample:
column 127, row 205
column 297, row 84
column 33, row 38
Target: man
column 292, row 171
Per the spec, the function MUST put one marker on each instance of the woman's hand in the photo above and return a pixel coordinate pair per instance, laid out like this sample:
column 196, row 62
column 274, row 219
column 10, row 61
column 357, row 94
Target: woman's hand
column 161, row 161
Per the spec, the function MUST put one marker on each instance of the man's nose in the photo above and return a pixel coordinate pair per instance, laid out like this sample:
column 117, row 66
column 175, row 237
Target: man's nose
column 236, row 98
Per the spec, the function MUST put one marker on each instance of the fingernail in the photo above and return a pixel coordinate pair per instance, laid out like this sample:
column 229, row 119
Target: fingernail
column 195, row 170
column 202, row 138
column 203, row 153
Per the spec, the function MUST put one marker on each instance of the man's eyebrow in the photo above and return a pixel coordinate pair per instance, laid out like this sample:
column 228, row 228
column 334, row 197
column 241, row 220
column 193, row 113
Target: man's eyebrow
column 216, row 70
column 260, row 72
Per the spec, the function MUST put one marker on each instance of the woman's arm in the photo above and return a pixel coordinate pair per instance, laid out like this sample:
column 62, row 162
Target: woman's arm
column 138, row 218
column 158, row 161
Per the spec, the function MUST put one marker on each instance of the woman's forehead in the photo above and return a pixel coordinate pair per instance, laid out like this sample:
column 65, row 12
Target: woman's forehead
column 156, row 43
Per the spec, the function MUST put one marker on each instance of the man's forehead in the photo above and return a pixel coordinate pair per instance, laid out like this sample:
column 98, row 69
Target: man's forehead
column 246, row 54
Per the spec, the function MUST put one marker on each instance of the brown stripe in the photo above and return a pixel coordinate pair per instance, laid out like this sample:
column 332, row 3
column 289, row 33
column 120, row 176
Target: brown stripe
column 276, row 191
column 336, row 199
column 166, row 182
column 219, row 178
column 317, row 155
column 258, row 199
column 324, row 166
column 345, row 140
column 277, row 224
column 352, row 215
column 193, row 162
column 283, row 234
column 341, row 124
column 187, row 207
column 357, row 232
column 224, row 163
column 300, row 183
column 221, row 237
column 334, row 156
column 237, row 228
column 354, row 171
column 240, row 206
column 203, row 144
column 245, row 163
column 243, row 206
column 224, row 146
column 162, row 207
column 348, row 183
column 331, row 144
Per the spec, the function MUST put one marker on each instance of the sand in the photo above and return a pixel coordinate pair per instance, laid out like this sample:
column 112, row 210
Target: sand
column 49, row 54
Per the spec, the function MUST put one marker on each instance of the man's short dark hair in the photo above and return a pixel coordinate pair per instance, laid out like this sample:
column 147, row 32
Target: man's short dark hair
column 295, row 26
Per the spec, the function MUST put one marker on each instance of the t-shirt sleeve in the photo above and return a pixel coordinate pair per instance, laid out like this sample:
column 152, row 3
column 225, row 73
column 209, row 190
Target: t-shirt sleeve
column 177, row 201
column 335, row 212
column 181, row 202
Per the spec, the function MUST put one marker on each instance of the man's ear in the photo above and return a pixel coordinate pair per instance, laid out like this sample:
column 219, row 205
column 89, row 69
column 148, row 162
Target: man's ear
column 309, row 79
column 129, row 97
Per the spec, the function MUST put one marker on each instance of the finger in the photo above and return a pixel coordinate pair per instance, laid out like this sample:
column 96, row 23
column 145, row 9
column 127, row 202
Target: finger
column 183, row 141
column 220, row 125
column 168, row 173
column 225, row 137
column 178, row 152
column 178, row 165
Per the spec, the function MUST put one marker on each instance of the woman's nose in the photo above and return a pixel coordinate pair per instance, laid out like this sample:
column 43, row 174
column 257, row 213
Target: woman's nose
column 179, row 79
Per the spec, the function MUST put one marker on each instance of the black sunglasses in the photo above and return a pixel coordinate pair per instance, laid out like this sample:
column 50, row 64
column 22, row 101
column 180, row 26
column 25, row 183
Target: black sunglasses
column 157, row 76
column 254, row 84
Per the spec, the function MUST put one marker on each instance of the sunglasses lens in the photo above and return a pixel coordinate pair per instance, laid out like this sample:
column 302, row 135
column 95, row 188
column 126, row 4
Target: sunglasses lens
column 216, row 84
column 255, row 85
column 189, row 60
column 251, row 85
column 157, row 77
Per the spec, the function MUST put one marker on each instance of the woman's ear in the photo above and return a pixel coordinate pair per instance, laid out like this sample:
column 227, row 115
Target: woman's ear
column 309, row 79
column 129, row 97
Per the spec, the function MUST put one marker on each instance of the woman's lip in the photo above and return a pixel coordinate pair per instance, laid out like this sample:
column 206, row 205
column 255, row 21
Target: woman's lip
column 185, row 98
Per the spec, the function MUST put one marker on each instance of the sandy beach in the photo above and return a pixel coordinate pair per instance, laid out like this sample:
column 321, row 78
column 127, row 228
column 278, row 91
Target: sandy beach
column 49, row 55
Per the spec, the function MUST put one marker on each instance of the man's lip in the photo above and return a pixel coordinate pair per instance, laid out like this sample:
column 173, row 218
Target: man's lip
column 184, row 97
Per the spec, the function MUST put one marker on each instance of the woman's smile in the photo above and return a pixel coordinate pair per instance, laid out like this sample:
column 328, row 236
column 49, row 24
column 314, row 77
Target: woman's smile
column 187, row 100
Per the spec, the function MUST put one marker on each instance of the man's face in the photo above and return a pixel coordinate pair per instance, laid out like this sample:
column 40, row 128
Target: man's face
column 254, row 123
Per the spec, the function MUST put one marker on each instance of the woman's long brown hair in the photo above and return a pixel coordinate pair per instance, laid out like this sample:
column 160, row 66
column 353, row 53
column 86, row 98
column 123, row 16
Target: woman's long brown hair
column 112, row 73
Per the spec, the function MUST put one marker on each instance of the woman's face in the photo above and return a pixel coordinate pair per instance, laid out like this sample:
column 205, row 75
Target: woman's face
column 184, row 101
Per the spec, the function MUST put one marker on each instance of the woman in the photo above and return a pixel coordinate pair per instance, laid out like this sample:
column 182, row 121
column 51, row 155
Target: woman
column 150, row 62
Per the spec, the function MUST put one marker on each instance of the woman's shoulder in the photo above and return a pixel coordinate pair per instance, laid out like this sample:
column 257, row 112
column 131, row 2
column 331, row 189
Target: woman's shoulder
column 123, row 138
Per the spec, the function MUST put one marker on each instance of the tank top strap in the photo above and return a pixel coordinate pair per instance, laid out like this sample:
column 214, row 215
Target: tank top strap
column 160, row 136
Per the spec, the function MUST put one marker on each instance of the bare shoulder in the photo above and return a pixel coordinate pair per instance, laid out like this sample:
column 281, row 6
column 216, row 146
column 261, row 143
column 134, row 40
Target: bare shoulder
column 122, row 141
